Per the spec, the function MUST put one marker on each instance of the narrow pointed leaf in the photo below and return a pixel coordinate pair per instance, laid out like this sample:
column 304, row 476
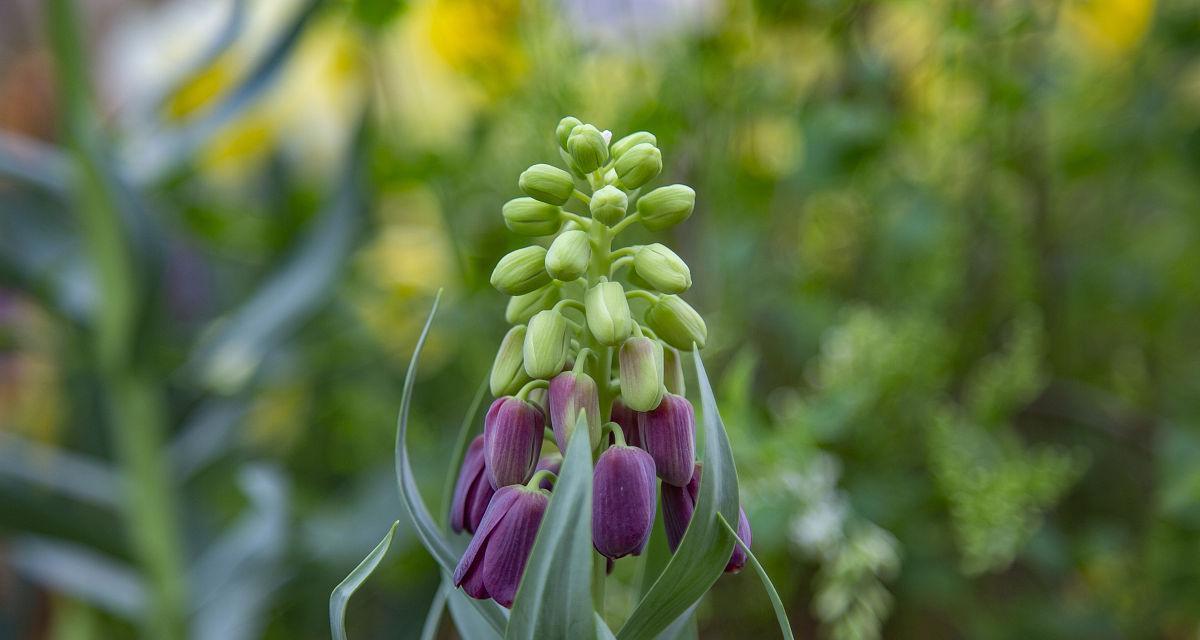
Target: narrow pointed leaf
column 706, row 547
column 341, row 594
column 428, row 532
column 433, row 619
column 785, row 627
column 467, row 617
column 555, row 598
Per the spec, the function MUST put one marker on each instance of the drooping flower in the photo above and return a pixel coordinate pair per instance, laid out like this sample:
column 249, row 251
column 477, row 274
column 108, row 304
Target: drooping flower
column 641, row 362
column 678, row 504
column 512, row 440
column 622, row 501
column 493, row 563
column 627, row 419
column 667, row 433
column 472, row 492
column 570, row 393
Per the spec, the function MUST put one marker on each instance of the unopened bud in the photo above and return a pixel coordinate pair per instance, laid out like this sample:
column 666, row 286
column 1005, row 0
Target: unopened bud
column 673, row 372
column 622, row 501
column 521, row 308
column 546, row 344
column 569, row 255
column 587, row 147
column 508, row 370
column 607, row 310
column 677, row 323
column 666, row 206
column 564, row 129
column 521, row 271
column 530, row 217
column 662, row 268
column 641, row 361
column 608, row 204
column 668, row 434
column 638, row 165
column 571, row 393
column 547, row 183
column 630, row 141
column 512, row 440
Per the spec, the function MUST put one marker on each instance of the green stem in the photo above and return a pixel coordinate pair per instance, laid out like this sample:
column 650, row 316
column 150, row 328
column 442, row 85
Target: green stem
column 134, row 400
column 569, row 302
column 584, row 223
column 617, row 434
column 537, row 478
column 634, row 294
column 585, row 198
column 624, row 224
column 618, row 263
column 530, row 386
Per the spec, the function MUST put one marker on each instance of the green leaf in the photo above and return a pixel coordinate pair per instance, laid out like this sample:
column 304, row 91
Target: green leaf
column 780, row 613
column 341, row 594
column 706, row 547
column 428, row 532
column 555, row 597
column 433, row 618
column 468, row 618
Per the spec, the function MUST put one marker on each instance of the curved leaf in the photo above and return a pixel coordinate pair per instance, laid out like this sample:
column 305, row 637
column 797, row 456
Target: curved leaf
column 555, row 597
column 427, row 529
column 341, row 594
column 706, row 547
column 780, row 613
column 433, row 618
column 468, row 618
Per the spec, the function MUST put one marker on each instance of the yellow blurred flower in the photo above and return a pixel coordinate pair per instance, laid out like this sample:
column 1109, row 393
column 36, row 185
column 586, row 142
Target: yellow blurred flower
column 1109, row 28
column 308, row 113
column 770, row 146
column 443, row 62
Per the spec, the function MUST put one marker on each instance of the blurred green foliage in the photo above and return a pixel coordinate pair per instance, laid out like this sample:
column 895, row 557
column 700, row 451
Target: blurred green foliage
column 950, row 254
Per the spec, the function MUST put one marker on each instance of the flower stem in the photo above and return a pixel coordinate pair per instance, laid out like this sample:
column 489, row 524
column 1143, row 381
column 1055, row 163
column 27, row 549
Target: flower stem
column 530, row 386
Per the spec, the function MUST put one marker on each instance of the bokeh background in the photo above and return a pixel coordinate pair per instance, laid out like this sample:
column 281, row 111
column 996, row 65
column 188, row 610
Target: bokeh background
column 949, row 252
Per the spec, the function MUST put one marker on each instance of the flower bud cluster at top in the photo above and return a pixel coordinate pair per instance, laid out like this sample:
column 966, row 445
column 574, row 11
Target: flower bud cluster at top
column 578, row 303
column 597, row 333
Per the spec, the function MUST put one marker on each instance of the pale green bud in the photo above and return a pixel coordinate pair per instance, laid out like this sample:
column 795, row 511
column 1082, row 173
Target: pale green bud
column 638, row 165
column 529, row 217
column 630, row 141
column 547, row 183
column 677, row 323
column 508, row 370
column 570, row 162
column 569, row 255
column 673, row 372
column 666, row 206
column 608, row 204
column 546, row 343
column 662, row 269
column 607, row 311
column 586, row 145
column 521, row 271
column 521, row 308
column 563, row 131
column 641, row 362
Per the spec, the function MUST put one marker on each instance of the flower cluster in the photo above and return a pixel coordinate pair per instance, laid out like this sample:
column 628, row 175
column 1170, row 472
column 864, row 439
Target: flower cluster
column 577, row 348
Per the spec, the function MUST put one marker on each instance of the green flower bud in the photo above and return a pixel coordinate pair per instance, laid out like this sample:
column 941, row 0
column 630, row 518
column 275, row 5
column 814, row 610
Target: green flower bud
column 570, row 162
column 569, row 255
column 564, row 129
column 630, row 141
column 607, row 312
column 677, row 323
column 529, row 217
column 547, row 183
column 508, row 370
column 609, row 204
column 521, row 308
column 586, row 145
column 546, row 343
column 665, row 271
column 641, row 361
column 666, row 206
column 673, row 372
column 638, row 165
column 521, row 271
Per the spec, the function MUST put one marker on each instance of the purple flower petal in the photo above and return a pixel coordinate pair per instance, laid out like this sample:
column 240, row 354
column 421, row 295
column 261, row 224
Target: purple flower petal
column 668, row 434
column 622, row 501
column 512, row 441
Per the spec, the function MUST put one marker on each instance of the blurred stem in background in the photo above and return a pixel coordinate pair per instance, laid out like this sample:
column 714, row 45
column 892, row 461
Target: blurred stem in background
column 135, row 408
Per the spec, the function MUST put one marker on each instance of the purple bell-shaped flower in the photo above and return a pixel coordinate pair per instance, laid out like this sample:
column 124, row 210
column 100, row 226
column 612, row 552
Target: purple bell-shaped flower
column 622, row 501
column 679, row 503
column 570, row 393
column 512, row 440
column 668, row 434
column 627, row 419
column 493, row 563
column 472, row 491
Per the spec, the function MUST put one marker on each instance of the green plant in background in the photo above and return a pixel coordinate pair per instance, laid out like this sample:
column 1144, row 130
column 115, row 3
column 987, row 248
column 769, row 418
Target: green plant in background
column 553, row 527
